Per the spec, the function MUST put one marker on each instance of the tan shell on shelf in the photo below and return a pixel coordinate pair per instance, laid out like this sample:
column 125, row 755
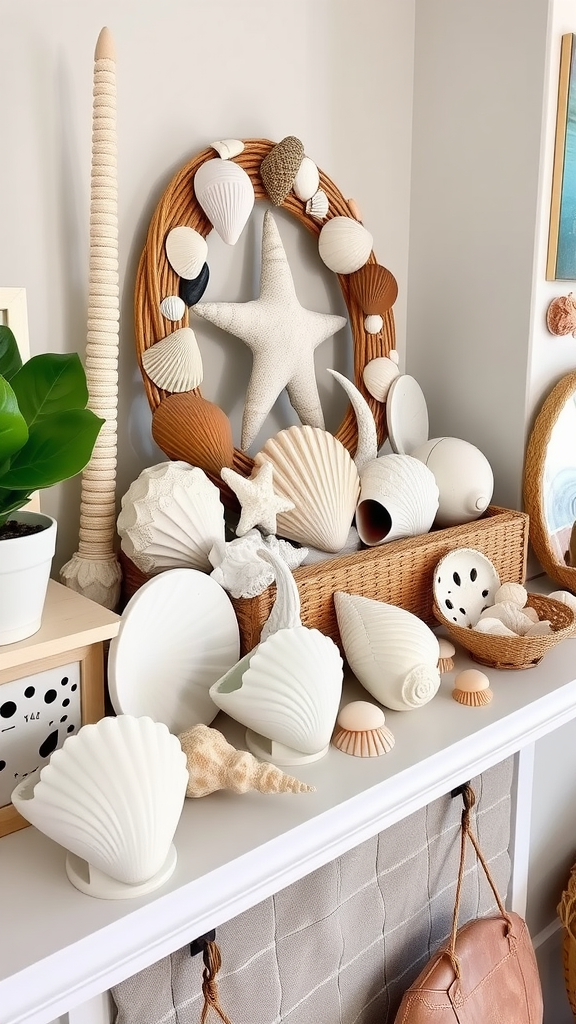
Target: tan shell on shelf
column 279, row 168
column 472, row 687
column 315, row 471
column 307, row 179
column 344, row 245
column 174, row 363
column 446, row 655
column 318, row 205
column 189, row 427
column 361, row 730
column 374, row 288
column 226, row 194
column 173, row 308
column 186, row 250
column 378, row 375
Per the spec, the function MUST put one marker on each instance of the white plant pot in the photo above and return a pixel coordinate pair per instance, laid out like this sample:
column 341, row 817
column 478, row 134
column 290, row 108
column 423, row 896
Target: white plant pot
column 25, row 564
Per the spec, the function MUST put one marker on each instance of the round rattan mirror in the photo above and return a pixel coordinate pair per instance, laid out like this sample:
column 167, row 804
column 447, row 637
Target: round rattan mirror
column 550, row 483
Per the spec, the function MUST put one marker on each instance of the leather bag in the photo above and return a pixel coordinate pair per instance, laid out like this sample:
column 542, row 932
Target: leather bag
column 486, row 973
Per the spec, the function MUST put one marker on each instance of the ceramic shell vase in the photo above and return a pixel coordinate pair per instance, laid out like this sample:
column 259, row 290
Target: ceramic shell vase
column 112, row 796
column 398, row 498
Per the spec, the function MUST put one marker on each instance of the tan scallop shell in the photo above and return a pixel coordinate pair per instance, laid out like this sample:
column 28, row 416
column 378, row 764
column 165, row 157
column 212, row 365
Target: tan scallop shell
column 279, row 168
column 374, row 288
column 315, row 471
column 360, row 730
column 472, row 687
column 378, row 375
column 189, row 427
column 344, row 245
column 318, row 205
column 446, row 652
column 174, row 363
column 186, row 250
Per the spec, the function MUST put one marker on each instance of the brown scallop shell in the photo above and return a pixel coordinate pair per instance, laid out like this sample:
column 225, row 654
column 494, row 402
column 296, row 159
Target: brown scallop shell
column 374, row 288
column 364, row 742
column 188, row 427
column 280, row 167
column 473, row 698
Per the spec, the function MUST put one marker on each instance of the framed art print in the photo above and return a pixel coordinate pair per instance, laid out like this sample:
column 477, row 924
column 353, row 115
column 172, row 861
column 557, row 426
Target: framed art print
column 561, row 262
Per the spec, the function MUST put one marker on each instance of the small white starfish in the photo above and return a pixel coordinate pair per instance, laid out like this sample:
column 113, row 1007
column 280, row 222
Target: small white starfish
column 282, row 336
column 260, row 505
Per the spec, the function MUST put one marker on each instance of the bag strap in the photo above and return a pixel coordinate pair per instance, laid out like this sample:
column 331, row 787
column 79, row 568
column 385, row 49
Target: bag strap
column 469, row 799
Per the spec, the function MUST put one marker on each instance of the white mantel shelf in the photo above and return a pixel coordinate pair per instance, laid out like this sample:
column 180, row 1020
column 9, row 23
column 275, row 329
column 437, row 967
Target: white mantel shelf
column 59, row 948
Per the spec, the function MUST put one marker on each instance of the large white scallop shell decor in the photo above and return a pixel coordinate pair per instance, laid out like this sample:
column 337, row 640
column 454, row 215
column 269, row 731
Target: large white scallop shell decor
column 226, row 194
column 186, row 250
column 315, row 471
column 344, row 245
column 173, row 308
column 390, row 651
column 396, row 499
column 307, row 180
column 171, row 517
column 174, row 363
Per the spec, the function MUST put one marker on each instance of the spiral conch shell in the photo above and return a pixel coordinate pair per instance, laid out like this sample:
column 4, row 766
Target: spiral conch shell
column 215, row 764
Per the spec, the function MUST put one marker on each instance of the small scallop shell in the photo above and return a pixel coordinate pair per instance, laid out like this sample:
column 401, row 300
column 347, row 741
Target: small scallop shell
column 318, row 205
column 361, row 732
column 374, row 288
column 344, row 245
column 378, row 375
column 446, row 655
column 472, row 687
column 354, row 209
column 279, row 168
column 226, row 194
column 186, row 251
column 307, row 179
column 393, row 355
column 513, row 592
column 541, row 628
column 495, row 627
column 510, row 614
column 373, row 324
column 531, row 613
column 173, row 308
column 228, row 148
column 174, row 363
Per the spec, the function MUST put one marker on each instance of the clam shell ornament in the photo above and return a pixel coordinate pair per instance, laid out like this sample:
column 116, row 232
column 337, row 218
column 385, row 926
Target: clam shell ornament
column 228, row 148
column 307, row 180
column 378, row 375
column 472, row 687
column 174, row 363
column 374, row 288
column 173, row 308
column 318, row 205
column 188, row 427
column 398, row 498
column 186, row 250
column 373, row 324
column 112, row 796
column 361, row 732
column 226, row 195
column 390, row 651
column 344, row 245
column 280, row 166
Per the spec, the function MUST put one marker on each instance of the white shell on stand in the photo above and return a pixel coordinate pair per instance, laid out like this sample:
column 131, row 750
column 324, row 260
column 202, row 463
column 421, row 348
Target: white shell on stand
column 344, row 245
column 171, row 517
column 186, row 250
column 173, row 307
column 318, row 205
column 112, row 795
column 390, row 651
column 228, row 148
column 465, row 582
column 464, row 477
column 398, row 498
column 307, row 180
column 174, row 363
column 226, row 195
column 378, row 375
column 315, row 471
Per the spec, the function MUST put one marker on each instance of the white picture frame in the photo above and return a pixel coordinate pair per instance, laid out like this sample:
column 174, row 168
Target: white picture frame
column 14, row 314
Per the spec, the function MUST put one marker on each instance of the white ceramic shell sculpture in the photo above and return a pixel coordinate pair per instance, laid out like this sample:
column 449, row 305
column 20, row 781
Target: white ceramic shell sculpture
column 390, row 651
column 315, row 471
column 171, row 518
column 398, row 498
column 112, row 796
column 226, row 195
column 287, row 690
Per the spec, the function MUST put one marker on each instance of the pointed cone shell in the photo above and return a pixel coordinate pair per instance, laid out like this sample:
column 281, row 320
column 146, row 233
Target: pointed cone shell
column 318, row 205
column 174, row 363
column 315, row 471
column 215, row 764
column 279, row 168
column 374, row 288
column 228, row 148
column 390, row 651
column 113, row 795
column 173, row 308
column 344, row 245
column 307, row 179
column 171, row 517
column 396, row 499
column 190, row 428
column 378, row 375
column 186, row 250
column 287, row 689
column 226, row 195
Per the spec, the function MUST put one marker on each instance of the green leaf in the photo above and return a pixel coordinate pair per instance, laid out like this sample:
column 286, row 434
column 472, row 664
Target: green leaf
column 11, row 501
column 10, row 358
column 48, row 384
column 58, row 447
column 13, row 429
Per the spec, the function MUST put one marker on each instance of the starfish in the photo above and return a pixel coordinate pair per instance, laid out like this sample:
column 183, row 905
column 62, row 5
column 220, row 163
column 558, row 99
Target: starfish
column 260, row 505
column 282, row 336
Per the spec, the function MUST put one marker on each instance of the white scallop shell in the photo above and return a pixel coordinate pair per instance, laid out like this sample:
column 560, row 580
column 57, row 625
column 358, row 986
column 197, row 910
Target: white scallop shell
column 390, row 651
column 173, row 307
column 378, row 375
column 186, row 250
column 318, row 205
column 393, row 355
column 514, row 592
column 315, row 471
column 288, row 689
column 344, row 245
column 228, row 148
column 373, row 323
column 226, row 194
column 174, row 363
column 495, row 627
column 511, row 615
column 113, row 795
column 307, row 180
column 397, row 499
column 171, row 517
column 465, row 582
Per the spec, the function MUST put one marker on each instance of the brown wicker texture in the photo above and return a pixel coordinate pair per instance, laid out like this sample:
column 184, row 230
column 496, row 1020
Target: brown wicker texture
column 534, row 466
column 155, row 279
column 514, row 652
column 567, row 915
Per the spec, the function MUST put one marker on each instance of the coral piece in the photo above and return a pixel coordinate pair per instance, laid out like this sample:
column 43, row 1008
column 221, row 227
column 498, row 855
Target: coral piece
column 189, row 427
column 318, row 205
column 472, row 687
column 186, row 250
column 307, row 180
column 561, row 315
column 344, row 245
column 361, row 732
column 282, row 336
column 226, row 194
column 228, row 148
column 215, row 764
column 239, row 570
column 279, row 168
column 378, row 375
column 174, row 363
column 173, row 308
column 374, row 288
column 446, row 655
column 259, row 503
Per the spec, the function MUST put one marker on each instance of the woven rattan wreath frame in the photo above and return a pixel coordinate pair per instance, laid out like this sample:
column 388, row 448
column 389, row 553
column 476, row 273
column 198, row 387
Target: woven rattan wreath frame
column 534, row 465
column 156, row 279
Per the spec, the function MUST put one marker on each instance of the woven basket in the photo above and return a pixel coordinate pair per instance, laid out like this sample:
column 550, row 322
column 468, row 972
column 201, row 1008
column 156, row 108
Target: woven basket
column 514, row 652
column 567, row 915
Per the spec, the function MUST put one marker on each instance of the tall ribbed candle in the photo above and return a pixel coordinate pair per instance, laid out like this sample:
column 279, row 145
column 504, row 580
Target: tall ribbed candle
column 94, row 570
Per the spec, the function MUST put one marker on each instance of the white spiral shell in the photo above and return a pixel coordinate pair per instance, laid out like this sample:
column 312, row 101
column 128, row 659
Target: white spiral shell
column 397, row 499
column 113, row 795
column 186, row 250
column 344, row 245
column 226, row 195
column 174, row 363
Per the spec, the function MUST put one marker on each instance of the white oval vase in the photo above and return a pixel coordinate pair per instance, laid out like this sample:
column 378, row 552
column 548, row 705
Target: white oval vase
column 25, row 564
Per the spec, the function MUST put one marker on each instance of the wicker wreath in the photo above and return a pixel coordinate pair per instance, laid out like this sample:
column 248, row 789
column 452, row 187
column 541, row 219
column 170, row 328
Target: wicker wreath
column 157, row 279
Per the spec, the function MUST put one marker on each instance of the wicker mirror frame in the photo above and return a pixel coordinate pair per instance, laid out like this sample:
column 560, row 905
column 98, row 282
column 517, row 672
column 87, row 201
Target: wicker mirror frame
column 156, row 279
column 534, row 466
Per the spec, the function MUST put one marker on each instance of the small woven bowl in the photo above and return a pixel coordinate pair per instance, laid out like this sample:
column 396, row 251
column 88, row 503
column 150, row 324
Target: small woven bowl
column 514, row 652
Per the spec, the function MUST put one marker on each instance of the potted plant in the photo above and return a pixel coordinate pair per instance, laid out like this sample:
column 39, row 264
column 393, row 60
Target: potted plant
column 46, row 435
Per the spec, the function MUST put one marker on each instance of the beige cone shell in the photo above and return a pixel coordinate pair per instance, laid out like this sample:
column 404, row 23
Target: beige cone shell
column 215, row 764
column 174, row 363
column 189, row 427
